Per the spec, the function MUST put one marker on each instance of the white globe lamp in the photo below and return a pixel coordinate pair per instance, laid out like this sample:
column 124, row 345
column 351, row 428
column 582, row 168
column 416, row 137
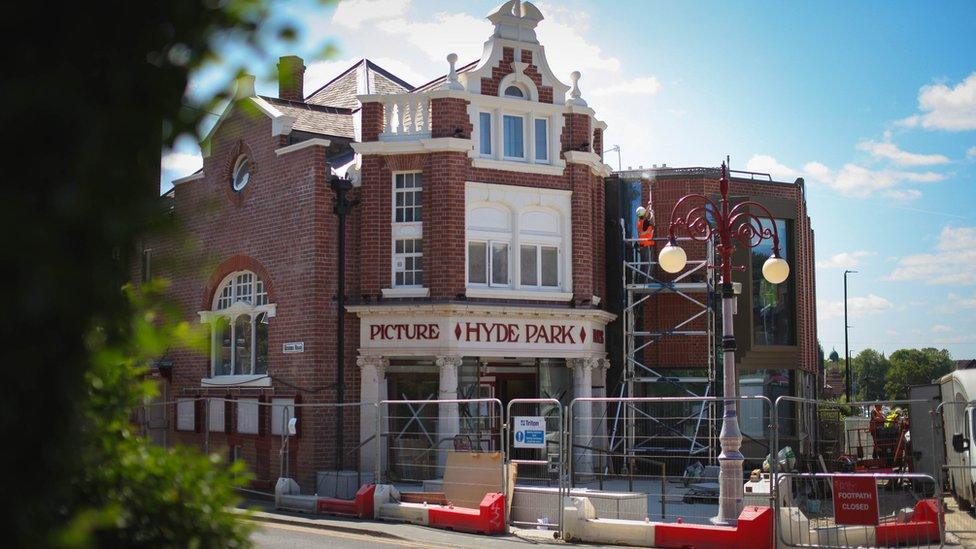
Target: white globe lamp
column 775, row 269
column 672, row 258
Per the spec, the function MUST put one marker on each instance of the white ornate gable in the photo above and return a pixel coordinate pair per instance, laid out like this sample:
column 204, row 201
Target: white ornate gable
column 515, row 24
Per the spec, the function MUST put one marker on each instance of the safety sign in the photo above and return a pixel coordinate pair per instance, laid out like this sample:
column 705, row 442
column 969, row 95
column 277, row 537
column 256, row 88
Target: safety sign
column 530, row 431
column 855, row 500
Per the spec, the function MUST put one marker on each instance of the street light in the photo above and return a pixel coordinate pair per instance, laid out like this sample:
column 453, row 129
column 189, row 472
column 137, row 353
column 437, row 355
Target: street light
column 738, row 224
column 847, row 351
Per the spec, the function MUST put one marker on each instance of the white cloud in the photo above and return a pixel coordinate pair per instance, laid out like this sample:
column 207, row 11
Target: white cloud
column 642, row 85
column 890, row 151
column 844, row 260
column 182, row 163
column 851, row 180
column 971, row 153
column 944, row 108
column 952, row 262
column 562, row 32
column 904, row 195
column 441, row 34
column 764, row 163
column 941, row 329
column 353, row 13
column 856, row 307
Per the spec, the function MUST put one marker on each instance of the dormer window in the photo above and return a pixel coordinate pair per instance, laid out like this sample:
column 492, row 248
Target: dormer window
column 514, row 91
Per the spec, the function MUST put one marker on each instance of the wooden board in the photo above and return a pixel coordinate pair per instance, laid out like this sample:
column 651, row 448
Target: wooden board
column 468, row 476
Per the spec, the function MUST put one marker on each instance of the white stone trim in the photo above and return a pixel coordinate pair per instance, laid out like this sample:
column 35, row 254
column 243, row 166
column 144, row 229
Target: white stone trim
column 556, row 168
column 406, row 292
column 590, row 159
column 428, row 145
column 527, row 295
column 188, row 178
column 314, row 142
column 487, row 309
column 247, row 380
column 281, row 123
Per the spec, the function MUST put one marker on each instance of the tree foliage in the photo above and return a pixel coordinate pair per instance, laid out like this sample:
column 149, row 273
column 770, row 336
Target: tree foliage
column 868, row 372
column 90, row 106
column 915, row 367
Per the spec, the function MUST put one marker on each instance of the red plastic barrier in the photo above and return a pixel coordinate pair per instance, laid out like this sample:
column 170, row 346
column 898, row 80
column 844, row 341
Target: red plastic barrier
column 361, row 507
column 922, row 529
column 488, row 519
column 754, row 530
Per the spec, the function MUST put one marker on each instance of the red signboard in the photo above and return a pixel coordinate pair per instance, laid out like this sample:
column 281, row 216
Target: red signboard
column 855, row 500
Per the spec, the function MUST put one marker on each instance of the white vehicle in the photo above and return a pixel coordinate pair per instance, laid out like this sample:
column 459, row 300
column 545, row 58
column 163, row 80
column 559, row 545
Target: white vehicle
column 959, row 420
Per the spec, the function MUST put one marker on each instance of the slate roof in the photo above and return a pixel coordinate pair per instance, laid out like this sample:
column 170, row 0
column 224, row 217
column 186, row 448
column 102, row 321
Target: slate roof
column 341, row 91
column 317, row 119
column 440, row 79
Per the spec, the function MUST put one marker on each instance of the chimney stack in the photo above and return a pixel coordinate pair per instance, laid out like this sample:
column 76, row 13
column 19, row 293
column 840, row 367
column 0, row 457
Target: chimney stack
column 291, row 78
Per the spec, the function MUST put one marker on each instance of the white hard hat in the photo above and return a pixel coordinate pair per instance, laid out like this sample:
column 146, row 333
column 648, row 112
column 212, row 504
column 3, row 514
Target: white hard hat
column 641, row 211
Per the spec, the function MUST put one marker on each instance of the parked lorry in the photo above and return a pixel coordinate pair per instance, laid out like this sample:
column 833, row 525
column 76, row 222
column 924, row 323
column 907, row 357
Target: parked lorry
column 959, row 424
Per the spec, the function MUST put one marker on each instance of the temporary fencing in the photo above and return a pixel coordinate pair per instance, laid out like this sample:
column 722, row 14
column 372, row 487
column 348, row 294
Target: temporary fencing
column 647, row 460
column 534, row 445
column 843, row 510
column 654, row 463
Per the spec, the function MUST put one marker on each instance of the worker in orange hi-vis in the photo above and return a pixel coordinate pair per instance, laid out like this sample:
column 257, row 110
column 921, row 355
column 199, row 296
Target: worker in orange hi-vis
column 877, row 421
column 645, row 238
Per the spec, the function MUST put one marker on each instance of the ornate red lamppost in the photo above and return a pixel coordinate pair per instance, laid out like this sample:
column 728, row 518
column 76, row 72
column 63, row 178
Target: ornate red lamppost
column 736, row 225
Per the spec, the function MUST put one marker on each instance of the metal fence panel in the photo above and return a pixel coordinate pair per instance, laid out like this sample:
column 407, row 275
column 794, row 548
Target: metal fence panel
column 442, row 451
column 807, row 517
column 658, row 461
column 538, row 496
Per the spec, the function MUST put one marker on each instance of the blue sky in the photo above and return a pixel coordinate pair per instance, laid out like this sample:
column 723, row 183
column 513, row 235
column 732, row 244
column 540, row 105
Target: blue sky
column 873, row 103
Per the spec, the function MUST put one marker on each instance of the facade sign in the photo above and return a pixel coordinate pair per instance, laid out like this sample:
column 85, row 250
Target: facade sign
column 855, row 500
column 293, row 347
column 529, row 431
column 469, row 333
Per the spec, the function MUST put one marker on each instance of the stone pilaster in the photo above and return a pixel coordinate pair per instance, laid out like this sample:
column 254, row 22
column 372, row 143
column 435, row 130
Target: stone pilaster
column 372, row 389
column 582, row 414
column 448, row 418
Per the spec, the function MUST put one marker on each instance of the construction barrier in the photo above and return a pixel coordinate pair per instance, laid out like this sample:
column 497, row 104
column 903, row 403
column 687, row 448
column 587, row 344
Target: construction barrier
column 858, row 510
column 534, row 448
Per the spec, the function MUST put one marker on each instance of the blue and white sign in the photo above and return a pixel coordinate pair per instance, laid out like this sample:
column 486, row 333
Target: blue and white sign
column 530, row 431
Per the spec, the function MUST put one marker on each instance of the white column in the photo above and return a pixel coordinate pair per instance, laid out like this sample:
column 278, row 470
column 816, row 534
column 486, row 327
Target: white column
column 372, row 389
column 600, row 412
column 582, row 415
column 448, row 420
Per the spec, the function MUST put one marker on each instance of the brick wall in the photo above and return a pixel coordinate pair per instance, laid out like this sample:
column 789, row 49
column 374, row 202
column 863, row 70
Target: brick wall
column 663, row 313
column 281, row 227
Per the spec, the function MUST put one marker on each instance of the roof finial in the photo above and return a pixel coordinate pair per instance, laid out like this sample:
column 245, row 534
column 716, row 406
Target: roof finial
column 452, row 83
column 574, row 94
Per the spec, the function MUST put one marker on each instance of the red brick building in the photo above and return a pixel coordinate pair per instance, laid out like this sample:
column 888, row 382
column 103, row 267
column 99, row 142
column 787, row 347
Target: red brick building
column 474, row 256
column 775, row 325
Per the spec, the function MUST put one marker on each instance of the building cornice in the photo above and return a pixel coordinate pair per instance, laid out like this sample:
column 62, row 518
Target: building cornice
column 315, row 142
column 414, row 146
column 480, row 309
column 590, row 159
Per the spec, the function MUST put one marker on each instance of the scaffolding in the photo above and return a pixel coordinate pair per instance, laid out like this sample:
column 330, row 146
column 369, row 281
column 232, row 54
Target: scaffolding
column 643, row 283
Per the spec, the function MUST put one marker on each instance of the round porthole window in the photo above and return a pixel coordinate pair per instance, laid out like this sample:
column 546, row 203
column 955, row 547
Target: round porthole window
column 242, row 173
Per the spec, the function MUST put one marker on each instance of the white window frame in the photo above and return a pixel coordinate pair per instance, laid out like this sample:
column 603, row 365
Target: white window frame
column 233, row 176
column 481, row 136
column 489, row 278
column 216, row 415
column 525, row 146
column 538, row 245
column 418, row 204
column 404, row 230
column 535, row 150
column 404, row 255
column 230, row 303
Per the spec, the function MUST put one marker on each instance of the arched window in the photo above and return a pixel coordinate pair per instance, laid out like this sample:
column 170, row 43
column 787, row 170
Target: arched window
column 239, row 326
column 242, row 173
column 514, row 91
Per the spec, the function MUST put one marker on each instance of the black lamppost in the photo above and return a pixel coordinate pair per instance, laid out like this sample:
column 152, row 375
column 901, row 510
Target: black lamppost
column 342, row 207
column 733, row 225
column 847, row 351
